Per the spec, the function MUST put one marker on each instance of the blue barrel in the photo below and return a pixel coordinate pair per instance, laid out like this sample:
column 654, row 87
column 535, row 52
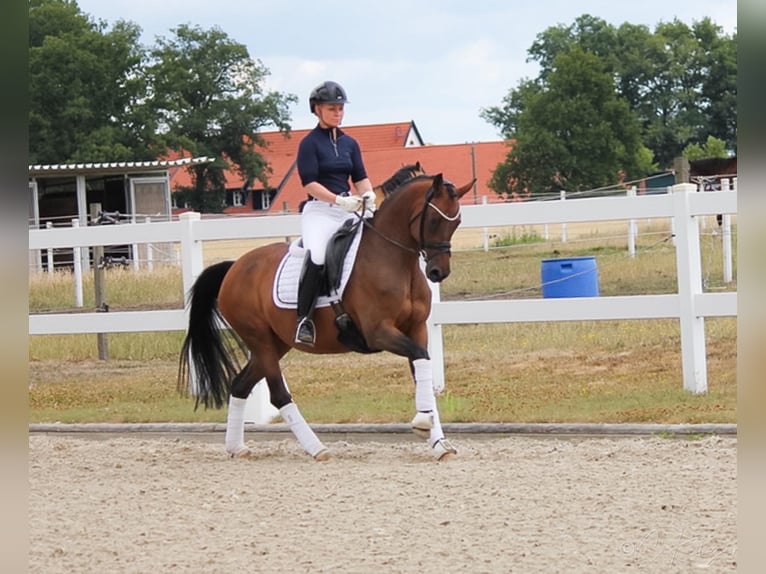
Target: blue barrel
column 569, row 277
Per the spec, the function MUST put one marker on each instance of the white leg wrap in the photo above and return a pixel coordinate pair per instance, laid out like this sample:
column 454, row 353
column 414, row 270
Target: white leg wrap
column 235, row 426
column 424, row 385
column 436, row 430
column 300, row 428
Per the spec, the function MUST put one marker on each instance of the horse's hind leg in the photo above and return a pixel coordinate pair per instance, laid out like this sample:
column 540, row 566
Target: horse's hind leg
column 288, row 410
column 241, row 387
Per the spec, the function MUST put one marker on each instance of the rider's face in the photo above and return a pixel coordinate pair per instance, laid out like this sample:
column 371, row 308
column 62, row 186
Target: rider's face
column 330, row 115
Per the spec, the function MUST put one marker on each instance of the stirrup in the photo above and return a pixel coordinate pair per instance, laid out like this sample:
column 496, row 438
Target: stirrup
column 305, row 333
column 422, row 423
column 443, row 449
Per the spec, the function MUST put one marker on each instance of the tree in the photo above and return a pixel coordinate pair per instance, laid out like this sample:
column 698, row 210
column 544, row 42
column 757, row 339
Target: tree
column 680, row 81
column 207, row 94
column 573, row 134
column 712, row 148
column 85, row 88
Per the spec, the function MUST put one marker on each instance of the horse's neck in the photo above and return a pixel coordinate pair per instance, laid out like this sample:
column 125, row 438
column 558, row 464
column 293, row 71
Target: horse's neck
column 393, row 220
column 391, row 239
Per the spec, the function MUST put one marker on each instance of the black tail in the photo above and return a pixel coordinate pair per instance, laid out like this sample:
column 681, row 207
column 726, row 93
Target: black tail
column 205, row 347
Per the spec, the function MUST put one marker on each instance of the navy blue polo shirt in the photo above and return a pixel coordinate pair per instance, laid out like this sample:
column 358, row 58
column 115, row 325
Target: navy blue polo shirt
column 330, row 163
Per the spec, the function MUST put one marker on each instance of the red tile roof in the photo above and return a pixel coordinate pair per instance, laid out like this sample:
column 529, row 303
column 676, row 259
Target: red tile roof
column 386, row 148
column 281, row 148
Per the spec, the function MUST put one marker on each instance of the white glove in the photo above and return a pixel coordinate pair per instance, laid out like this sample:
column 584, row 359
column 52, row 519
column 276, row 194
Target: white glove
column 368, row 197
column 348, row 203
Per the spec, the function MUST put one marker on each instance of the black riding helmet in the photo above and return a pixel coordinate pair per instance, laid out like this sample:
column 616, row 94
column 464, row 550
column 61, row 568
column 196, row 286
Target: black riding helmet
column 327, row 93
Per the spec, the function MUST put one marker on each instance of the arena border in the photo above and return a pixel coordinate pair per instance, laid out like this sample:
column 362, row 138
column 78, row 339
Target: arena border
column 495, row 429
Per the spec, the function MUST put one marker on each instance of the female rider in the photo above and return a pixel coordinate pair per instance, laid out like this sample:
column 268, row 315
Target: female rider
column 327, row 160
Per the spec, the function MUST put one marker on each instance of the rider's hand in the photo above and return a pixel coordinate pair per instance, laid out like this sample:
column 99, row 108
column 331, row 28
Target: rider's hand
column 368, row 197
column 348, row 203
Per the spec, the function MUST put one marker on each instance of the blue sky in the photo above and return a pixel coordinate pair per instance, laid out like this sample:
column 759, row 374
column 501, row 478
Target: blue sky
column 437, row 62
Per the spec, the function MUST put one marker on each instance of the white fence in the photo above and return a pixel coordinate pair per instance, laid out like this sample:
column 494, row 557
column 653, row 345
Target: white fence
column 684, row 205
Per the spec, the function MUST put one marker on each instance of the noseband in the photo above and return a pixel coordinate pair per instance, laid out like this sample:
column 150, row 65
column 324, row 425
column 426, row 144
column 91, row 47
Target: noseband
column 439, row 246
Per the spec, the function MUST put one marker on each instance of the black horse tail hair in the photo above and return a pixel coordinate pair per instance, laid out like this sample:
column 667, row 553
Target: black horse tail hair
column 208, row 357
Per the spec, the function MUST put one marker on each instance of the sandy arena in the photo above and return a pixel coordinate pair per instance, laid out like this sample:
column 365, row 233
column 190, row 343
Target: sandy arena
column 509, row 504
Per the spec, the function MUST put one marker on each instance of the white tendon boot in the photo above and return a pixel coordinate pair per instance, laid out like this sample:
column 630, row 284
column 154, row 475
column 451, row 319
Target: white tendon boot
column 302, row 431
column 425, row 401
column 235, row 428
column 426, row 423
column 442, row 448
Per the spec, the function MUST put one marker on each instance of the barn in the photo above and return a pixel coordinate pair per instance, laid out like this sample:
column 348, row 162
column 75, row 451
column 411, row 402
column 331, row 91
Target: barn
column 119, row 191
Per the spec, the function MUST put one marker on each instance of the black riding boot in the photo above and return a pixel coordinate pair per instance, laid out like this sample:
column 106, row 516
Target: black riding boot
column 308, row 291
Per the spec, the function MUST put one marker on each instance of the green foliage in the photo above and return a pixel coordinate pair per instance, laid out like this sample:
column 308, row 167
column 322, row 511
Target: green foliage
column 97, row 94
column 208, row 96
column 85, row 83
column 575, row 134
column 522, row 238
column 713, row 147
column 679, row 82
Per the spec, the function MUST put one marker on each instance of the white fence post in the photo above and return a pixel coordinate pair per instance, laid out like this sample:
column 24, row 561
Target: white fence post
column 191, row 266
column 563, row 197
column 689, row 272
column 77, row 263
column 191, row 251
column 258, row 408
column 49, row 251
column 485, row 231
column 726, row 238
column 632, row 232
column 149, row 251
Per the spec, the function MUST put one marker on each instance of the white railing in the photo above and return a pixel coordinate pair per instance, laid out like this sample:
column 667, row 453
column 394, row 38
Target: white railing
column 684, row 205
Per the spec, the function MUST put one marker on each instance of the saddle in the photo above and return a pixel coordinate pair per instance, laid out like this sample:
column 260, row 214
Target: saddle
column 339, row 261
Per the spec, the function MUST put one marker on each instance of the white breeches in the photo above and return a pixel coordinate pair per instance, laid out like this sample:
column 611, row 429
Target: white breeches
column 319, row 221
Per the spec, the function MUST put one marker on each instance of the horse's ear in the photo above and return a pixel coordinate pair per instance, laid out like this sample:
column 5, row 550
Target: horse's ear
column 463, row 190
column 438, row 181
column 417, row 166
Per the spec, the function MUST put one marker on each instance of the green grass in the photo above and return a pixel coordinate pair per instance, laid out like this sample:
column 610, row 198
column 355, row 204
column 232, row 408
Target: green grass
column 605, row 371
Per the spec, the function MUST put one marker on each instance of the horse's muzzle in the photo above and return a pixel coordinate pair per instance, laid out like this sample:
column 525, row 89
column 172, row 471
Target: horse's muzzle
column 436, row 274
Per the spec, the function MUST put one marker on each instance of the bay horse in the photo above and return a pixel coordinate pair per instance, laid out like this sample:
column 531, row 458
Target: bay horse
column 387, row 297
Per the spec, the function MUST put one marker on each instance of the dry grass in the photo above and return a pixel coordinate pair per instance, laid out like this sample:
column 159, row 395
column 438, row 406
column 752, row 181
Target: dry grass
column 607, row 371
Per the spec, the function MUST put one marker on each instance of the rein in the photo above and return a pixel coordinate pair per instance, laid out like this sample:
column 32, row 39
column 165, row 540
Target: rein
column 424, row 246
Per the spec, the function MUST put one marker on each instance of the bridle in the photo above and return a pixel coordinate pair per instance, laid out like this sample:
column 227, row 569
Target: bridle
column 424, row 246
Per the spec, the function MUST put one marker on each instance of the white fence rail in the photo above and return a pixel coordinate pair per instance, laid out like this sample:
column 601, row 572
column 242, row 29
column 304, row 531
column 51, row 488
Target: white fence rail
column 690, row 305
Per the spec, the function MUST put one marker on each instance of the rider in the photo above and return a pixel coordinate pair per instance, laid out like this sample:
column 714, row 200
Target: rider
column 327, row 160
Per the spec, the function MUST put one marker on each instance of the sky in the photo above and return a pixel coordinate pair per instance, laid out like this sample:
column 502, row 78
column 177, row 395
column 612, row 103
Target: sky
column 435, row 62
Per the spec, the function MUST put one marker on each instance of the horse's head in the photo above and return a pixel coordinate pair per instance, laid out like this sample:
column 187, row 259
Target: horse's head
column 435, row 223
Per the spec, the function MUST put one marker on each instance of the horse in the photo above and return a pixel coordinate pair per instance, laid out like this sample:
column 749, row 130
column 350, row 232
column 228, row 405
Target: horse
column 386, row 296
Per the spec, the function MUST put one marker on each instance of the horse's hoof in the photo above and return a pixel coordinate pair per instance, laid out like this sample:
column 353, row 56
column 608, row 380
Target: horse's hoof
column 244, row 452
column 422, row 424
column 443, row 450
column 322, row 455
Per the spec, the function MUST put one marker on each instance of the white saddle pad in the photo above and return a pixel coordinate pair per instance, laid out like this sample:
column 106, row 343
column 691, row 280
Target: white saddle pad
column 285, row 289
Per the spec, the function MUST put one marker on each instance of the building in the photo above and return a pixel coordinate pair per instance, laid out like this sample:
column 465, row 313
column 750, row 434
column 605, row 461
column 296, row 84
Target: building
column 126, row 191
column 386, row 148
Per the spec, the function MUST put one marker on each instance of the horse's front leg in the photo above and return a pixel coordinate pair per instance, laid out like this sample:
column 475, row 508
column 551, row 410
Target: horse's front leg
column 426, row 423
